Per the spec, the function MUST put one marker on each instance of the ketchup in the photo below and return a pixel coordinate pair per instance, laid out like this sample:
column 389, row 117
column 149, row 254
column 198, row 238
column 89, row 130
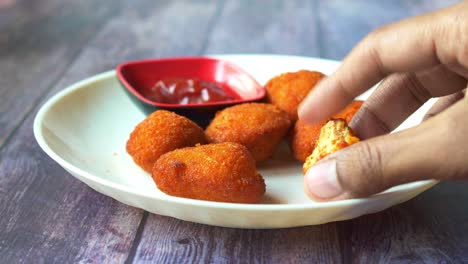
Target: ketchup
column 187, row 91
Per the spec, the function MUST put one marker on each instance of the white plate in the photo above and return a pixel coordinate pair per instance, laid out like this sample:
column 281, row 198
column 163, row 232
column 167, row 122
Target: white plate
column 85, row 127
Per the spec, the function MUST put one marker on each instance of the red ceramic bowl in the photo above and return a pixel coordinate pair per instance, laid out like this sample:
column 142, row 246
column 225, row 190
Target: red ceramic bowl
column 138, row 77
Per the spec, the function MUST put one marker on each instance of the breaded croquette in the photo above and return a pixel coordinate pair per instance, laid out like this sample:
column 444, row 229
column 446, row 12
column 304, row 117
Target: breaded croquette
column 302, row 139
column 222, row 172
column 303, row 136
column 334, row 135
column 161, row 132
column 289, row 89
column 348, row 113
column 258, row 126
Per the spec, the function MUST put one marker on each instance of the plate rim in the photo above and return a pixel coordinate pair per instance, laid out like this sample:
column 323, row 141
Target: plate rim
column 84, row 83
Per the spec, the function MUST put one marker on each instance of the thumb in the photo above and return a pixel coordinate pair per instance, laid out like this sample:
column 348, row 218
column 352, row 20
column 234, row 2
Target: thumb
column 436, row 149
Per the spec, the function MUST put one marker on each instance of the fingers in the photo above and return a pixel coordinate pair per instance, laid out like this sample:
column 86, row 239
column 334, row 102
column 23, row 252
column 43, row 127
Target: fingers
column 399, row 95
column 436, row 149
column 383, row 52
column 443, row 103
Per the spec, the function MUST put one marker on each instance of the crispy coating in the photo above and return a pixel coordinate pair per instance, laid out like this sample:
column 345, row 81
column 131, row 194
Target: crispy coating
column 223, row 172
column 302, row 139
column 303, row 136
column 258, row 126
column 334, row 135
column 161, row 132
column 348, row 113
column 289, row 89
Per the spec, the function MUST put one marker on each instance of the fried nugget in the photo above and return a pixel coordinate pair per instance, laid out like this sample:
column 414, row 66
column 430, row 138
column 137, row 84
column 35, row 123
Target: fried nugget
column 289, row 89
column 258, row 126
column 348, row 113
column 302, row 139
column 161, row 132
column 303, row 136
column 223, row 172
column 334, row 135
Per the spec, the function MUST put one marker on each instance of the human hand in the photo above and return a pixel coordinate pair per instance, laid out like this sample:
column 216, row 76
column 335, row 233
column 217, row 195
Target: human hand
column 420, row 58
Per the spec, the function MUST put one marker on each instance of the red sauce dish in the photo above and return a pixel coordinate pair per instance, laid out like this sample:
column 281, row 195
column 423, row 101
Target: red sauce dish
column 195, row 87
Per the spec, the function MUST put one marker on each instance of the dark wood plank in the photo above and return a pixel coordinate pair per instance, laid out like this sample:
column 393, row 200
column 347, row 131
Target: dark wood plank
column 39, row 40
column 285, row 27
column 146, row 29
column 47, row 215
column 432, row 227
column 168, row 240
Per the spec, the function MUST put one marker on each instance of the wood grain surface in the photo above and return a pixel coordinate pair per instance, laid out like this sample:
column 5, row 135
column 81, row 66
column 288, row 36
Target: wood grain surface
column 39, row 41
column 47, row 216
column 284, row 27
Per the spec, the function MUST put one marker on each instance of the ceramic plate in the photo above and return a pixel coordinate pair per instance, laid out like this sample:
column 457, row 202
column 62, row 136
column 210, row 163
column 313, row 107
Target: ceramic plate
column 84, row 128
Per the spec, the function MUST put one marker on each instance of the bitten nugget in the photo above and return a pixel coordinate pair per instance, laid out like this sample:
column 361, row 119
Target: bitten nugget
column 258, row 126
column 161, row 132
column 289, row 89
column 303, row 136
column 334, row 135
column 222, row 172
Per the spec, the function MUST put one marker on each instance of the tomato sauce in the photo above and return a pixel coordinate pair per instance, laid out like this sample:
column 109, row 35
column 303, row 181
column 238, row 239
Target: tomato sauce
column 187, row 91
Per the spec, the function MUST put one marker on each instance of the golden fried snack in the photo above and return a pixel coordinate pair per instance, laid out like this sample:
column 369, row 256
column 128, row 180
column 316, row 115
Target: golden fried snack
column 289, row 89
column 161, row 132
column 258, row 126
column 222, row 172
column 334, row 135
column 303, row 136
column 348, row 113
column 302, row 139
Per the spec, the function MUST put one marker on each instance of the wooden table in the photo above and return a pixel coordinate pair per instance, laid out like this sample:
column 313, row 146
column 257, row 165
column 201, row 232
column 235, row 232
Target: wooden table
column 47, row 216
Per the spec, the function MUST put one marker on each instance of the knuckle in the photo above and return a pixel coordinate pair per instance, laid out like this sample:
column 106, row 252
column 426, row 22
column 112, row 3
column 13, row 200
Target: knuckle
column 345, row 89
column 417, row 89
column 372, row 116
column 428, row 115
column 371, row 41
column 371, row 47
column 452, row 36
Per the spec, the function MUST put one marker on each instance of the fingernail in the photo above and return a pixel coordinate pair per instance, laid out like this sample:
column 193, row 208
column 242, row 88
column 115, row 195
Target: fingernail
column 322, row 180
